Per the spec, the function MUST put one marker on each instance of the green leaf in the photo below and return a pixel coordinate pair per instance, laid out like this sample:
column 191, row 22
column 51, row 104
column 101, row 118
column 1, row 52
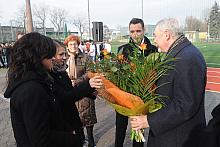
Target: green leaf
column 126, row 67
column 155, row 107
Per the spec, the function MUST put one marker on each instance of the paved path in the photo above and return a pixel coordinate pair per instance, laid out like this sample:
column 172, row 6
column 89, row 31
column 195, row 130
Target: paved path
column 104, row 130
column 6, row 133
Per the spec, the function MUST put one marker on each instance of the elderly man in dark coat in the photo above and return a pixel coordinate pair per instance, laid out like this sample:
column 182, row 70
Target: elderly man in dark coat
column 179, row 123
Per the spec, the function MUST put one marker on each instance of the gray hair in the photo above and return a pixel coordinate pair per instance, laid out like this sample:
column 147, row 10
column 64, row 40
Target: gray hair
column 171, row 25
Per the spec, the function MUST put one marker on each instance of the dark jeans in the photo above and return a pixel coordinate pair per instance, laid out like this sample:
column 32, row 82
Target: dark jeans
column 121, row 127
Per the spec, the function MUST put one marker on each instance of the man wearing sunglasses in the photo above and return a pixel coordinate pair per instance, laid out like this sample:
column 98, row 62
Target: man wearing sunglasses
column 137, row 39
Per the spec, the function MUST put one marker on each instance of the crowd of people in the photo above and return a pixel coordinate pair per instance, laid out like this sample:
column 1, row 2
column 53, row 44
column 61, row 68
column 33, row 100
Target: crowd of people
column 52, row 98
column 4, row 54
column 95, row 50
column 5, row 51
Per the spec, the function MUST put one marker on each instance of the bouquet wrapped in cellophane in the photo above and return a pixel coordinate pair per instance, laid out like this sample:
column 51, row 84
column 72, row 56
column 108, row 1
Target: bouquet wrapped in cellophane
column 129, row 84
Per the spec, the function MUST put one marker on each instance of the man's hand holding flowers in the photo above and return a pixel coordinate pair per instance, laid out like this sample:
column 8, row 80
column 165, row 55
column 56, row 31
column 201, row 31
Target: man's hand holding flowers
column 139, row 122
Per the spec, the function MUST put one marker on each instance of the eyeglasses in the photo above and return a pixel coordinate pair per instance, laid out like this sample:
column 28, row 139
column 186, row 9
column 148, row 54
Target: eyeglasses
column 72, row 44
column 138, row 31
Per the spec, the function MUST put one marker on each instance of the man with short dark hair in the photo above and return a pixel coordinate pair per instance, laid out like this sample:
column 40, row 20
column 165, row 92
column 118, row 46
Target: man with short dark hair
column 137, row 38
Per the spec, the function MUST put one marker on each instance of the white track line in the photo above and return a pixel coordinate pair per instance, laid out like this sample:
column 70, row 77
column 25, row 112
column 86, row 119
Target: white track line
column 213, row 83
column 214, row 72
column 214, row 76
column 213, row 68
column 213, row 91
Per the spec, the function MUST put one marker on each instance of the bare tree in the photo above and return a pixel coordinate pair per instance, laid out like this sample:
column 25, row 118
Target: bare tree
column 19, row 20
column 194, row 24
column 204, row 26
column 40, row 13
column 57, row 18
column 80, row 23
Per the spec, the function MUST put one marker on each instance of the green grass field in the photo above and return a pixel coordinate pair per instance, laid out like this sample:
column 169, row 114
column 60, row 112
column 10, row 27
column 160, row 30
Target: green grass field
column 211, row 52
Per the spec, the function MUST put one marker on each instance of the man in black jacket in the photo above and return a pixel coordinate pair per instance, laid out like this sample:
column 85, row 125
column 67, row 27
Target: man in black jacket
column 137, row 40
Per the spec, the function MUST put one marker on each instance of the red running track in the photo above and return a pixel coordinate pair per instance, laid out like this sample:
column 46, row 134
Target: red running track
column 213, row 79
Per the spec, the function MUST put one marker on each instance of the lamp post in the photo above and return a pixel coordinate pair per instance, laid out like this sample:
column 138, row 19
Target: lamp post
column 12, row 32
column 1, row 33
column 29, row 17
column 142, row 9
column 89, row 21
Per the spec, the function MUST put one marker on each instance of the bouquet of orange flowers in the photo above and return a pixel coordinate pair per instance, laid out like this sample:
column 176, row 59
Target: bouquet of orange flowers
column 130, row 84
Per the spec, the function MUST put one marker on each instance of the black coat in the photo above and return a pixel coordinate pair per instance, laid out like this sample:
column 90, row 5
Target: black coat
column 36, row 114
column 67, row 95
column 128, row 49
column 180, row 122
column 210, row 137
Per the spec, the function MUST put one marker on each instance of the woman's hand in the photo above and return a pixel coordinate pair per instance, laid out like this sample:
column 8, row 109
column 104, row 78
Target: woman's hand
column 139, row 122
column 96, row 82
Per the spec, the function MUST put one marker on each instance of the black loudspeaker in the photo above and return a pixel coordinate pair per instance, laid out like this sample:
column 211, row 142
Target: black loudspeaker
column 97, row 31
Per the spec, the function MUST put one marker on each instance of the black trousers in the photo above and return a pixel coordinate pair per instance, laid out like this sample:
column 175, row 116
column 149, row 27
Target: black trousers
column 121, row 127
column 90, row 136
column 81, row 135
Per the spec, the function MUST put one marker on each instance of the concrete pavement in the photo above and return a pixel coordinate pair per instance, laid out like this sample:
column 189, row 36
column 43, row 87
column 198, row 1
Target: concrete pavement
column 104, row 130
column 6, row 133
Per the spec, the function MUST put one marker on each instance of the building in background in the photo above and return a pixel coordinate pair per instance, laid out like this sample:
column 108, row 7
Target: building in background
column 8, row 33
column 196, row 36
column 150, row 30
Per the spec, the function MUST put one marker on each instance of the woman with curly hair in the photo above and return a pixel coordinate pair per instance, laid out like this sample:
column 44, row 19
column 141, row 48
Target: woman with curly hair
column 36, row 113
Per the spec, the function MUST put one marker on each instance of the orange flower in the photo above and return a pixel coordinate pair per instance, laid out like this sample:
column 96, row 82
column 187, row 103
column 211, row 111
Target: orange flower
column 105, row 52
column 107, row 56
column 120, row 57
column 143, row 46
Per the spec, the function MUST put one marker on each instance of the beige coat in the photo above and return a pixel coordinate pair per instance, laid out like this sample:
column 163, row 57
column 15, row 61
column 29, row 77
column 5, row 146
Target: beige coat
column 85, row 106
